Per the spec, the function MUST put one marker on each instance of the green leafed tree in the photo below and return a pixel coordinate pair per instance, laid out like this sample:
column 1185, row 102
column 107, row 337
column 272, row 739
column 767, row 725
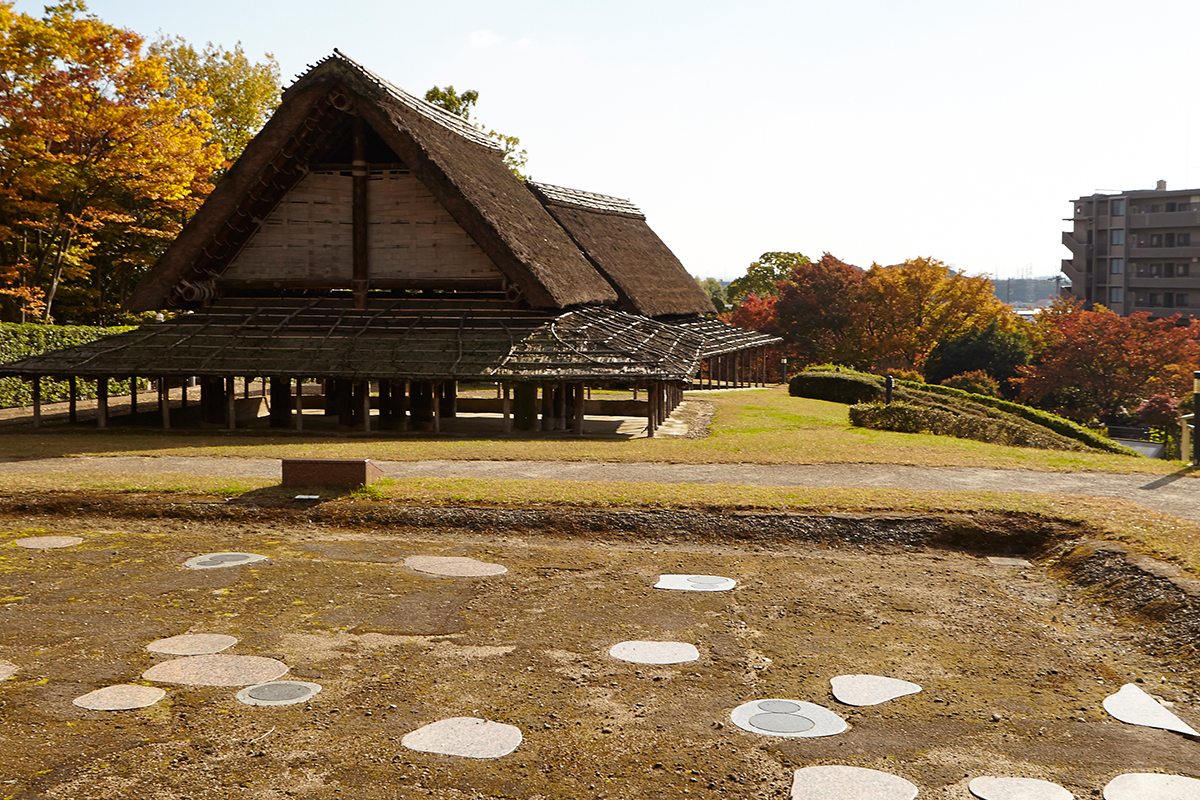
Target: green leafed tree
column 763, row 276
column 715, row 291
column 460, row 105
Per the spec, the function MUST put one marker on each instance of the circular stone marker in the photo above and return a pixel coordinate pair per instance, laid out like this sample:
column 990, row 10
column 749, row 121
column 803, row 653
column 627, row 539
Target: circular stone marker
column 789, row 718
column 655, row 652
column 278, row 693
column 216, row 560
column 1152, row 786
column 454, row 566
column 120, row 698
column 990, row 788
column 7, row 669
column 869, row 690
column 217, row 670
column 192, row 644
column 470, row 737
column 1134, row 706
column 48, row 542
column 849, row 783
column 695, row 583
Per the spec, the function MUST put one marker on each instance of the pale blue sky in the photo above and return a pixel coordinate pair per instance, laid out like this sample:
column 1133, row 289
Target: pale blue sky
column 875, row 130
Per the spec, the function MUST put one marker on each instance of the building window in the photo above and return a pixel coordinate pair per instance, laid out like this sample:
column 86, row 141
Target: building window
column 1116, row 294
column 1156, row 240
column 1116, row 236
column 1155, row 299
column 1155, row 208
column 1181, row 300
column 1168, row 207
column 1183, row 240
column 1117, row 266
column 1118, row 208
column 1181, row 270
column 1168, row 270
column 1168, row 240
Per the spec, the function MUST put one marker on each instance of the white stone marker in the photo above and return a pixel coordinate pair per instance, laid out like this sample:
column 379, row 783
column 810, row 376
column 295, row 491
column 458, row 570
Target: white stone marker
column 1152, row 786
column 469, row 737
column 790, row 719
column 192, row 644
column 48, row 542
column 7, row 669
column 1134, row 706
column 454, row 566
column 1005, row 561
column 217, row 670
column 120, row 698
column 990, row 788
column 870, row 690
column 278, row 693
column 218, row 560
column 655, row 652
column 838, row 782
column 695, row 583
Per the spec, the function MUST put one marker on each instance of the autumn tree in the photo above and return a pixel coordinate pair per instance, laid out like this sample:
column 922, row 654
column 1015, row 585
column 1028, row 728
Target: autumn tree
column 1098, row 364
column 101, row 152
column 757, row 314
column 763, row 276
column 820, row 311
column 460, row 105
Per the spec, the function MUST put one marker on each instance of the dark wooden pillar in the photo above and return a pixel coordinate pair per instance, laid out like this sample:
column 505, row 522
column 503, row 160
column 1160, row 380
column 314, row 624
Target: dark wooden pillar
column 364, row 389
column 183, row 391
column 133, row 395
column 35, row 387
column 560, row 406
column 400, row 404
column 212, row 399
column 651, row 411
column 230, row 404
column 435, row 405
column 164, row 402
column 448, row 399
column 525, row 406
column 506, row 408
column 577, row 402
column 360, row 177
column 329, row 387
column 298, row 422
column 102, row 402
column 344, row 402
column 73, row 387
column 281, row 402
column 421, row 404
column 547, row 407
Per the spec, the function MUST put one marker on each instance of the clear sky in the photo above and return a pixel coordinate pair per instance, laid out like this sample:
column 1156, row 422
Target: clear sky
column 877, row 130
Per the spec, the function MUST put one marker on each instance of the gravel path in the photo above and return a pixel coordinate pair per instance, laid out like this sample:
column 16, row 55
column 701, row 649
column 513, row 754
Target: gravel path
column 1178, row 495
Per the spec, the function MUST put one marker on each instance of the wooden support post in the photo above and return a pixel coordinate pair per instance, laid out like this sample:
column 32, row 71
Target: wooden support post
column 281, row 402
column 360, row 177
column 437, row 410
column 578, row 421
column 74, row 395
column 183, row 392
column 36, row 388
column 366, row 406
column 651, row 412
column 298, row 400
column 560, row 406
column 402, row 406
column 164, row 402
column 506, row 408
column 230, row 404
column 102, row 402
column 246, row 387
column 133, row 395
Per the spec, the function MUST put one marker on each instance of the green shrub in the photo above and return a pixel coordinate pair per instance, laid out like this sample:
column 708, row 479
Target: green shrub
column 906, row 417
column 976, row 382
column 18, row 341
column 836, row 387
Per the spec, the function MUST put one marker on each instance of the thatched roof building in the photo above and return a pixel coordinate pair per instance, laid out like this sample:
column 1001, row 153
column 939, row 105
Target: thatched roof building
column 368, row 238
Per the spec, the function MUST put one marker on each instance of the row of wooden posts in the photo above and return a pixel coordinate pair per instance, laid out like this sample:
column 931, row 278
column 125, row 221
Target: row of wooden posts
column 402, row 405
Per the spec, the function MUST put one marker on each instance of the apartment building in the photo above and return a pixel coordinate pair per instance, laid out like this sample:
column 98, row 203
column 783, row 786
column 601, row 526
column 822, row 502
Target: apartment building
column 1136, row 251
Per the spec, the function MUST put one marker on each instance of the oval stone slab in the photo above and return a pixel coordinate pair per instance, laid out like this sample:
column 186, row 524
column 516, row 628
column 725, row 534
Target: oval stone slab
column 870, row 690
column 192, row 644
column 695, row 583
column 7, row 669
column 849, row 783
column 454, row 566
column 1134, row 706
column 655, row 652
column 218, row 560
column 48, row 542
column 120, row 698
column 469, row 737
column 278, row 693
column 1152, row 786
column 990, row 788
column 787, row 718
column 217, row 670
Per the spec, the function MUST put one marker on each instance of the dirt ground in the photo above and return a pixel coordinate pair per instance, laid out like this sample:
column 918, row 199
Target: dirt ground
column 1014, row 665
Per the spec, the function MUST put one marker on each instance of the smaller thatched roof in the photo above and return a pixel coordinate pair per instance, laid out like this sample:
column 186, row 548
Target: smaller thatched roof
column 721, row 338
column 613, row 234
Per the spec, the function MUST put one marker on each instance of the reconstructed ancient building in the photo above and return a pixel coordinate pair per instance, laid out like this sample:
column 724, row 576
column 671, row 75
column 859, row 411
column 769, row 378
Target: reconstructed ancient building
column 377, row 246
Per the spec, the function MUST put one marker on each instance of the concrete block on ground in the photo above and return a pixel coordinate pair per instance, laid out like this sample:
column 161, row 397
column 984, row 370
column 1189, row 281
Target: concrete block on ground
column 335, row 473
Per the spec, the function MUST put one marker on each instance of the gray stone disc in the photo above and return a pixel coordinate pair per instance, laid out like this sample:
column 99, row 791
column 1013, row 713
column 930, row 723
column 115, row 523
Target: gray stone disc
column 48, row 542
column 192, row 644
column 7, row 669
column 469, row 737
column 870, row 690
column 1152, row 786
column 788, row 718
column 278, row 693
column 217, row 670
column 217, row 560
column 655, row 652
column 695, row 583
column 990, row 788
column 837, row 782
column 1134, row 706
column 453, row 566
column 120, row 698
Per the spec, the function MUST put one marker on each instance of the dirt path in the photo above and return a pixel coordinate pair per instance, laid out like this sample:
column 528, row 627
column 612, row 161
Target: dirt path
column 1178, row 495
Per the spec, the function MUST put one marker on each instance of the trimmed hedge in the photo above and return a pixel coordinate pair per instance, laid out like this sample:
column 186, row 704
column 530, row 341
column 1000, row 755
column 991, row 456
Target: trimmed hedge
column 908, row 417
column 836, row 387
column 19, row 341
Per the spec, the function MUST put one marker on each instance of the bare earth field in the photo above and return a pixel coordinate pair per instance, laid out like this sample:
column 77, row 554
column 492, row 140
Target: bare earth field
column 1014, row 663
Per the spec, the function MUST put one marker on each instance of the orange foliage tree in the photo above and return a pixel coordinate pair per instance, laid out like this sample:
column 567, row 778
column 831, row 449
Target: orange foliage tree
column 820, row 310
column 102, row 156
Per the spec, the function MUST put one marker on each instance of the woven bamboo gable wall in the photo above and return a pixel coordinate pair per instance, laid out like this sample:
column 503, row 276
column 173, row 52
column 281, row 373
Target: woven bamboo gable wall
column 307, row 238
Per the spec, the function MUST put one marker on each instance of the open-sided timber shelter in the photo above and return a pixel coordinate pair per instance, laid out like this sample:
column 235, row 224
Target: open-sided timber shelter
column 376, row 245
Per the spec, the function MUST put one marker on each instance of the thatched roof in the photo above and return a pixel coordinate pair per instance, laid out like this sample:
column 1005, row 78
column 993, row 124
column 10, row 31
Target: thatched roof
column 615, row 237
column 458, row 337
column 462, row 169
